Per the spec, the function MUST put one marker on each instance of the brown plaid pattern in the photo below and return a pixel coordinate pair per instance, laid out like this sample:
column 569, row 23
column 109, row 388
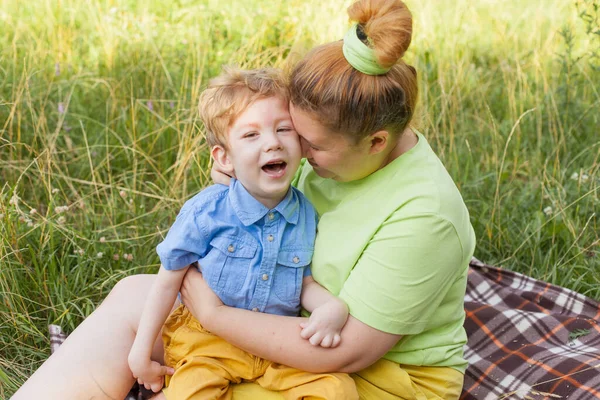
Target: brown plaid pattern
column 528, row 339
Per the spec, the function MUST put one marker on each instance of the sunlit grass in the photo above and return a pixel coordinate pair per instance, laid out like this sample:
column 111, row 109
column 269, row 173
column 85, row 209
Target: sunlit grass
column 99, row 135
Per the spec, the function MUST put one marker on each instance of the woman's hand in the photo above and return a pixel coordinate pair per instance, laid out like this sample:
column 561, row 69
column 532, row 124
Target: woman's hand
column 199, row 298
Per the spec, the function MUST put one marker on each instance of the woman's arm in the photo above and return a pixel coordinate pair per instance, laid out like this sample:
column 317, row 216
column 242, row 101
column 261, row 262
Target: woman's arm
column 277, row 338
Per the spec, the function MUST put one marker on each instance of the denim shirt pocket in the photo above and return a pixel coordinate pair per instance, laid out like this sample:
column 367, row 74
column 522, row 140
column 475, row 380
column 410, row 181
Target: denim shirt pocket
column 291, row 263
column 232, row 261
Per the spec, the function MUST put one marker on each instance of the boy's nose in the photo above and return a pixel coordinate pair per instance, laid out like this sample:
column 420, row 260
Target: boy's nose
column 273, row 142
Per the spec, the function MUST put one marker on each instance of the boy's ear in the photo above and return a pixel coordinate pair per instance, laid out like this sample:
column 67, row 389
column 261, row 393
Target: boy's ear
column 222, row 160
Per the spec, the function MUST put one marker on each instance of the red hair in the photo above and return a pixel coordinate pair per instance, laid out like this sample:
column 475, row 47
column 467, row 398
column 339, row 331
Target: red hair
column 347, row 101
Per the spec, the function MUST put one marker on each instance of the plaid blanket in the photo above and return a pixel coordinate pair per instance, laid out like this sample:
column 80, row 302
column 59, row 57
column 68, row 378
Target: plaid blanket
column 528, row 339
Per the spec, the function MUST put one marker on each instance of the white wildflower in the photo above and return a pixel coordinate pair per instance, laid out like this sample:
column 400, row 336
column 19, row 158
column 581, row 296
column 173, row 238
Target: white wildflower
column 102, row 239
column 61, row 220
column 55, row 190
column 123, row 194
column 548, row 211
column 30, row 224
column 33, row 211
column 584, row 178
column 100, row 255
column 115, row 257
column 14, row 200
column 575, row 176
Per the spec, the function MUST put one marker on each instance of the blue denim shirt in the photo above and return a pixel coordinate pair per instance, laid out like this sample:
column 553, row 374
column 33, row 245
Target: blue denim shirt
column 252, row 257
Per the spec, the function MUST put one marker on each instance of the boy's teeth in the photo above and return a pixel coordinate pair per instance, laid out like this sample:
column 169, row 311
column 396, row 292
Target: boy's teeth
column 275, row 167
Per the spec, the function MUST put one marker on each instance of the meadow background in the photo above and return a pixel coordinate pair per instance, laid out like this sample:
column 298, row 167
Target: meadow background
column 100, row 142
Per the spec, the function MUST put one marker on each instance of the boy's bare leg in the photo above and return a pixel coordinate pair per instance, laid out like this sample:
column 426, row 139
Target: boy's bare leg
column 92, row 362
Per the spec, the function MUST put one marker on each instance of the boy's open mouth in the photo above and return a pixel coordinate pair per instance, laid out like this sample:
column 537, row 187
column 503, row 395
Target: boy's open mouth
column 275, row 169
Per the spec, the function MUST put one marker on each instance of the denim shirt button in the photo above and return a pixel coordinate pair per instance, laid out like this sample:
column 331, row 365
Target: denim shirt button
column 270, row 238
column 296, row 260
column 265, row 277
column 255, row 309
column 271, row 216
column 230, row 248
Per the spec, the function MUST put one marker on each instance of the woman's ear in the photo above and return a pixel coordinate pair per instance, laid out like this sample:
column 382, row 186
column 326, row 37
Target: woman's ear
column 378, row 141
column 222, row 160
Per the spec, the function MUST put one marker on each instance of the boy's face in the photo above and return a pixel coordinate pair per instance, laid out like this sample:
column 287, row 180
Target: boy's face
column 263, row 150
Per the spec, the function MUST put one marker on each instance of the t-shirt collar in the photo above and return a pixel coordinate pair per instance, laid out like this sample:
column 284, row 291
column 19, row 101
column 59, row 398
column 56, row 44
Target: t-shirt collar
column 249, row 210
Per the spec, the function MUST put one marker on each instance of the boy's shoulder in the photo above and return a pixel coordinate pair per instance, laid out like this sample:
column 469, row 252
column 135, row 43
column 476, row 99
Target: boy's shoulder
column 305, row 204
column 206, row 197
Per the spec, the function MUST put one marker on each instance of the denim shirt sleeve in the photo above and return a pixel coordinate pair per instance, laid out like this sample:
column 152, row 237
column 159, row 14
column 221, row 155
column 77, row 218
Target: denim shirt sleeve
column 186, row 241
column 307, row 272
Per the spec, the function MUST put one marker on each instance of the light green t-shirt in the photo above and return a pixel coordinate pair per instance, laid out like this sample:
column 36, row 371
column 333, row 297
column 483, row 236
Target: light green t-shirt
column 396, row 247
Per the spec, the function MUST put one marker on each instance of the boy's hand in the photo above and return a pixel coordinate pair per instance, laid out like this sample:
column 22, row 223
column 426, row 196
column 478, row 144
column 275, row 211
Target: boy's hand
column 325, row 324
column 149, row 373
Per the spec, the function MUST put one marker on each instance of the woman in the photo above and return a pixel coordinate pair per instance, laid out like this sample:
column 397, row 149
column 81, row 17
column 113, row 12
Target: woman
column 394, row 241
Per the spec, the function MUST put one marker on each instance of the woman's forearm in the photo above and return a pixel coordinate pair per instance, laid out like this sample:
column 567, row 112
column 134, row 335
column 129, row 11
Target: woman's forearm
column 277, row 338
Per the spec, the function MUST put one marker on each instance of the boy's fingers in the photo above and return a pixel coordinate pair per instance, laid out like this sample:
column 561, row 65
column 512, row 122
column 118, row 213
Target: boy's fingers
column 157, row 386
column 336, row 340
column 326, row 342
column 167, row 370
column 316, row 339
column 307, row 332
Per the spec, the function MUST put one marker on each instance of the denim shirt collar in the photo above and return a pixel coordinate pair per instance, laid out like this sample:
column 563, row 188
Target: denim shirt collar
column 249, row 210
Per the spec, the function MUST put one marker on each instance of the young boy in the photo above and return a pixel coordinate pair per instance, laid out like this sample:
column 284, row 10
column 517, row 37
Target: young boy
column 253, row 242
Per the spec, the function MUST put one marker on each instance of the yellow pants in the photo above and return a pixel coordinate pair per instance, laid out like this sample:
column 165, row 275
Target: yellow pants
column 205, row 365
column 385, row 380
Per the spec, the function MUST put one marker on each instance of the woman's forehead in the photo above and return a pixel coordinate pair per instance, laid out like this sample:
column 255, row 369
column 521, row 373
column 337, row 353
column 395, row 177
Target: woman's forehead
column 308, row 126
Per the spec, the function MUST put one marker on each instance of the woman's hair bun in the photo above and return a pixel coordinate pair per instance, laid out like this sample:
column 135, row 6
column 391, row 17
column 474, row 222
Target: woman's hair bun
column 388, row 26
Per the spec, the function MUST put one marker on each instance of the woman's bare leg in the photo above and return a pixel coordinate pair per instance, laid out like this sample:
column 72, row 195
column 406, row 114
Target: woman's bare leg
column 92, row 362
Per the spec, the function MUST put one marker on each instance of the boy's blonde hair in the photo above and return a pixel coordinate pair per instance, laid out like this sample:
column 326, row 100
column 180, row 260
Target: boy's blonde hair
column 229, row 94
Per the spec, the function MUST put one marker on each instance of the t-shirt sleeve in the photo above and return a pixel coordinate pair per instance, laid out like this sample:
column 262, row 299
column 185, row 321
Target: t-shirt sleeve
column 186, row 241
column 404, row 273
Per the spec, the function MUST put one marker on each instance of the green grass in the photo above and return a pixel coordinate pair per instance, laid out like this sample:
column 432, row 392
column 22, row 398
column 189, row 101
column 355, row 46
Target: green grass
column 98, row 115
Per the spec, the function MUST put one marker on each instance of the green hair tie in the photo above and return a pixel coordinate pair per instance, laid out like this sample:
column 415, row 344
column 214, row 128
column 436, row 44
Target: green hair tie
column 361, row 56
